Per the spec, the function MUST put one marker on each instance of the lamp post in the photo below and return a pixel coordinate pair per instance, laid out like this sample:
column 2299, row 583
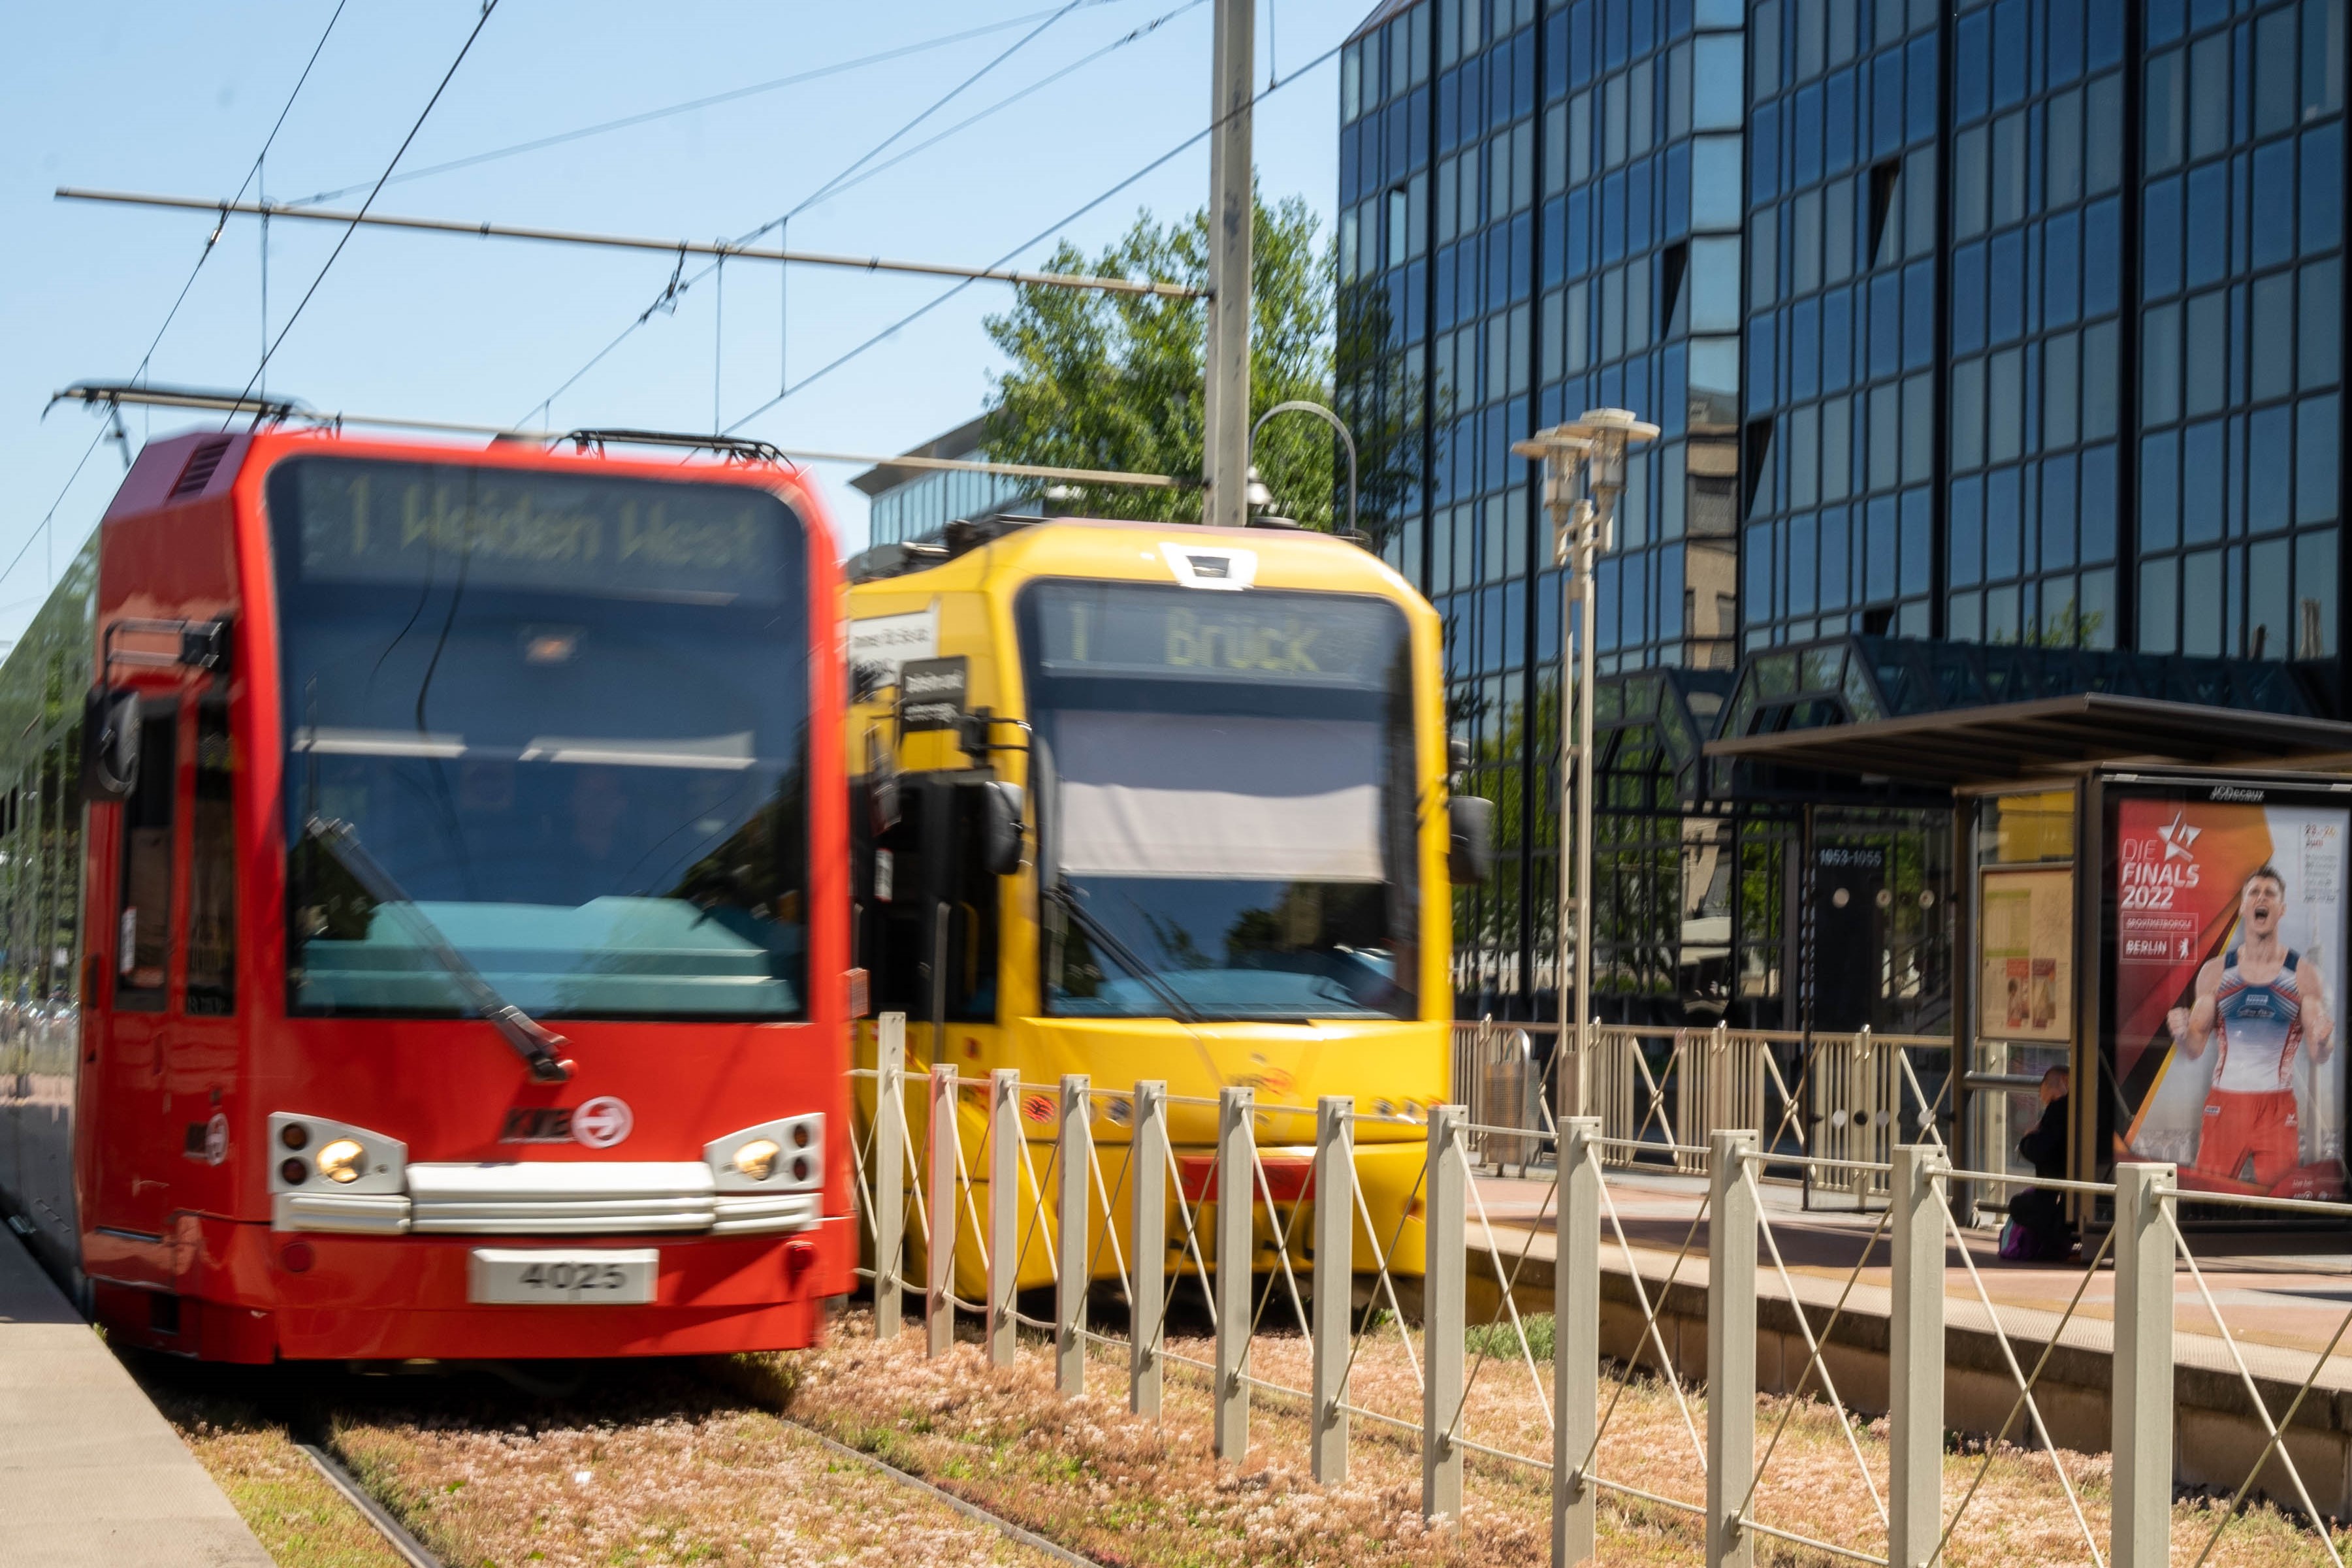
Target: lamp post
column 1328, row 417
column 1584, row 473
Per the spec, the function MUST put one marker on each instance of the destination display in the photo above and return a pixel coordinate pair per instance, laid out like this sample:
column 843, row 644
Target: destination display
column 404, row 523
column 1123, row 629
column 2228, row 960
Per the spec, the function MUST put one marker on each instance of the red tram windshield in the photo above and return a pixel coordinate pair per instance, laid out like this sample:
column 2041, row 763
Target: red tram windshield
column 567, row 716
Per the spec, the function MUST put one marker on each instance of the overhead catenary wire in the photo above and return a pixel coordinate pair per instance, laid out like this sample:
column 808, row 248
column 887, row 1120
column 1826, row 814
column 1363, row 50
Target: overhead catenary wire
column 933, row 108
column 113, row 396
column 783, row 224
column 1136, row 36
column 41, row 529
column 677, row 286
column 668, row 111
column 852, row 177
column 1039, row 238
column 465, row 48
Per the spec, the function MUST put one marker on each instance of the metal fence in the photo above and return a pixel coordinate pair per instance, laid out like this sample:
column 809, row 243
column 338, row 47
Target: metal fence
column 1848, row 1097
column 1284, row 1270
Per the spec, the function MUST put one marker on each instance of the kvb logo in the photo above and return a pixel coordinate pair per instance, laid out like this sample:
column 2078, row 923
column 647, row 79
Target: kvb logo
column 601, row 1122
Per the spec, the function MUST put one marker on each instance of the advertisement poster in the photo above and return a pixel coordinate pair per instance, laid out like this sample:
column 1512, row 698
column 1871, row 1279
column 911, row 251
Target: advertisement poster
column 2229, row 957
column 2025, row 974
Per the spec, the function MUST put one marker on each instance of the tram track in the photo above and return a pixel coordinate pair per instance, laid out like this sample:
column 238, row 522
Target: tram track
column 638, row 1463
column 417, row 1555
column 970, row 1510
column 395, row 1535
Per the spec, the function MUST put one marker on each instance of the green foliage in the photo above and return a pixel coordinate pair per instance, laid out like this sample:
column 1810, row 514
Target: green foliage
column 1104, row 381
column 1499, row 1341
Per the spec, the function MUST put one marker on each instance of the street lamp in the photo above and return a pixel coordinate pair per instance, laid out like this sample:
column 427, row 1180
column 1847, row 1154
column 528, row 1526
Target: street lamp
column 1584, row 473
column 1249, row 456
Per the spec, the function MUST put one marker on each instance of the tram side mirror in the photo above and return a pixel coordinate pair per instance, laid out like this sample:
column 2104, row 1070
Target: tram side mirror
column 1001, row 827
column 109, row 745
column 1470, row 848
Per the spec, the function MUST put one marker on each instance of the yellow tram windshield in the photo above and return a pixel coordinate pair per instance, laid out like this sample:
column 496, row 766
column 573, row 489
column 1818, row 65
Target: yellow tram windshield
column 1224, row 802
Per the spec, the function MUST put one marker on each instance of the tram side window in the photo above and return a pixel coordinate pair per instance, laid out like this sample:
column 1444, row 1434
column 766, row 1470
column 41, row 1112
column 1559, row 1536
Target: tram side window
column 892, row 916
column 49, row 880
column 143, row 961
column 14, row 875
column 211, row 871
column 973, row 898
column 66, row 874
column 902, row 931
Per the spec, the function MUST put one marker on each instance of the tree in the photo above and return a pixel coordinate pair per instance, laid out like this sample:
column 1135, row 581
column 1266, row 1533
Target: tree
column 1110, row 380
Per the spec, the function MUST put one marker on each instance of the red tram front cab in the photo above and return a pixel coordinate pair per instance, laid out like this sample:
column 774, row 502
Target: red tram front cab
column 445, row 869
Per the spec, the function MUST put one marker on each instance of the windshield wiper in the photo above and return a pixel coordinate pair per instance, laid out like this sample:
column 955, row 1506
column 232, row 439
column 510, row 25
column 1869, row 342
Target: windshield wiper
column 1123, row 956
column 537, row 1045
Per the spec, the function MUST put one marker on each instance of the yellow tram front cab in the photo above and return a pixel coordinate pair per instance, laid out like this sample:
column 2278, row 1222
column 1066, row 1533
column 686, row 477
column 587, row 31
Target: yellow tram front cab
column 1153, row 801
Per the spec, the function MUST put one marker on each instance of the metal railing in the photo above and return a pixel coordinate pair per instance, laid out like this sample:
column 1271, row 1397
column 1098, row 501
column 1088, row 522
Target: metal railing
column 1287, row 1266
column 1847, row 1096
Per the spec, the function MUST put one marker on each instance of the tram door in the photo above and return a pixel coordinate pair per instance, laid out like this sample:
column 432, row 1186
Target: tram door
column 200, row 1047
column 133, row 1028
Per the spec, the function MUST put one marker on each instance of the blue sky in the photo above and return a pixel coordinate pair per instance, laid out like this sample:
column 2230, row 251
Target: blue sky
column 178, row 98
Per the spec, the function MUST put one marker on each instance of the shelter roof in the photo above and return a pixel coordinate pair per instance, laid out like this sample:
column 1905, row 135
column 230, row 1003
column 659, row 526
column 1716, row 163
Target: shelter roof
column 1945, row 714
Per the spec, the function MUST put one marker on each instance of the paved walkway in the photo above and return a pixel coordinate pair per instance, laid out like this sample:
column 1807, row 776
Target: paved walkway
column 2283, row 1308
column 90, row 1475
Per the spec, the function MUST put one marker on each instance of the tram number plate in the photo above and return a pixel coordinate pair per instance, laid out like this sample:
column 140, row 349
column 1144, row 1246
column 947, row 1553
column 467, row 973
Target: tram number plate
column 520, row 1276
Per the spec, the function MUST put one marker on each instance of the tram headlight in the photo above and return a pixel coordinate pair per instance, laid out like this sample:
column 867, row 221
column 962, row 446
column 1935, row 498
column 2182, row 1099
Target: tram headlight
column 327, row 1160
column 343, row 1161
column 786, row 1154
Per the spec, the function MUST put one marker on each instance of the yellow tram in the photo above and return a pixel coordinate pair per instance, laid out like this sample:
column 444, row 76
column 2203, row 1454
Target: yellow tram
column 1160, row 801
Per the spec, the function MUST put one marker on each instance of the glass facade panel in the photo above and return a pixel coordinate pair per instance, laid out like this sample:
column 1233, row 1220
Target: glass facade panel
column 1998, row 321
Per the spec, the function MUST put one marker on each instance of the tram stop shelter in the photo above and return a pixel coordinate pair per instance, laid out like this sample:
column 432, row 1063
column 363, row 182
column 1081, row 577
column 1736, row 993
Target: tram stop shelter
column 2132, row 834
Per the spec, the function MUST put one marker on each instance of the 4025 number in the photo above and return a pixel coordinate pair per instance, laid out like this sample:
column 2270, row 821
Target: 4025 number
column 574, row 1277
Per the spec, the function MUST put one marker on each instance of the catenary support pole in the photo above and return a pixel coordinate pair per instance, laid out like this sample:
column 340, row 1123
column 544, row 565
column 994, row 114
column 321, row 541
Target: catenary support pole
column 1235, row 1227
column 1730, row 1348
column 1576, row 1345
column 1147, row 1166
column 2141, row 1404
column 1232, row 212
column 890, row 1171
column 1003, row 1211
column 1444, row 1254
column 1334, row 1234
column 1915, row 1399
column 1074, row 1175
column 938, row 1253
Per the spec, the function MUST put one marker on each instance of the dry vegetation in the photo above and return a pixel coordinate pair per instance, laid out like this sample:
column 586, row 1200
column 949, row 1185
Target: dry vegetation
column 1127, row 1492
column 301, row 1520
column 655, row 1466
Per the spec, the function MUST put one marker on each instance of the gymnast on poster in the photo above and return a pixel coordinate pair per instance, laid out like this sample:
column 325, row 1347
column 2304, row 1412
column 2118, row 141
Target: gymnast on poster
column 2256, row 1007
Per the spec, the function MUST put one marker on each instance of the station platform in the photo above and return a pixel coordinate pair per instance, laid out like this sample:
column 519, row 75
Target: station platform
column 92, row 1476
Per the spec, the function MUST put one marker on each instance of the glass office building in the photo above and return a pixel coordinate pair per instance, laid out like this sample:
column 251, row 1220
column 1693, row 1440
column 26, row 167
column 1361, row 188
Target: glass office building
column 1992, row 322
column 908, row 502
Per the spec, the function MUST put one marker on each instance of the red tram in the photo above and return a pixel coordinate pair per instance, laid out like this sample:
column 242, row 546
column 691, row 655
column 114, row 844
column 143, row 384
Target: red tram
column 423, row 923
